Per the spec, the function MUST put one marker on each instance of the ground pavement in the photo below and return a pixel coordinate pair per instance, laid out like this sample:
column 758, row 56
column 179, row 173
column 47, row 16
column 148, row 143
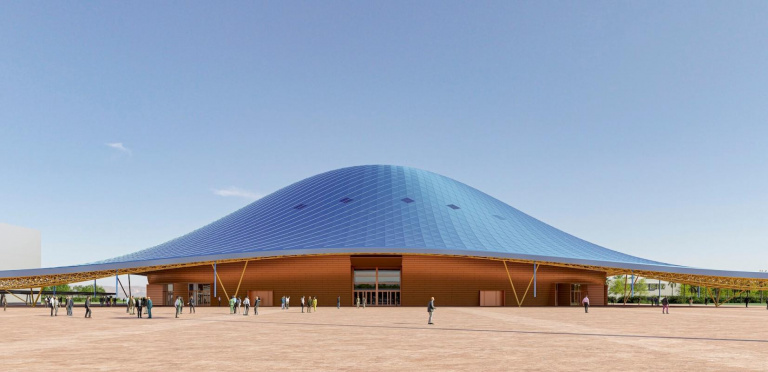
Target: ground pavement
column 463, row 338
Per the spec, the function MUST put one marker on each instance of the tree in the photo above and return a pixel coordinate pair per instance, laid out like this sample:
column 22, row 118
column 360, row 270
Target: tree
column 86, row 289
column 621, row 285
column 59, row 288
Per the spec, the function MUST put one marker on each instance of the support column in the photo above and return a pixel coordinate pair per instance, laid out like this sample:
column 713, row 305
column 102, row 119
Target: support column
column 222, row 287
column 633, row 285
column 535, row 266
column 214, row 281
column 129, row 287
column 376, row 289
column 520, row 301
column 241, row 278
column 116, row 285
column 94, row 288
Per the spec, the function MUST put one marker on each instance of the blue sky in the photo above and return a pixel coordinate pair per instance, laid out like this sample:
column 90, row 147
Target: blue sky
column 638, row 126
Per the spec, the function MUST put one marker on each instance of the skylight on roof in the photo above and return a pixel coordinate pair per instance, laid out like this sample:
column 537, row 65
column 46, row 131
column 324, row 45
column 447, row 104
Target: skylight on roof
column 346, row 200
column 300, row 206
column 407, row 200
column 453, row 206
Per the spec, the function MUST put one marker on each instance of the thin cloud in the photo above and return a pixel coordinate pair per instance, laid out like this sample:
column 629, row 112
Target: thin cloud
column 237, row 192
column 120, row 147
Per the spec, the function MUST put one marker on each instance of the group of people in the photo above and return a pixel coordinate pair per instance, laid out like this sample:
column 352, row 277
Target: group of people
column 137, row 305
column 310, row 303
column 55, row 302
column 179, row 305
column 109, row 301
column 359, row 300
column 236, row 305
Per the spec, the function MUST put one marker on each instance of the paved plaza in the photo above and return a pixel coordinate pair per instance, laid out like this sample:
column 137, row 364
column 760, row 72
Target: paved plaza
column 394, row 339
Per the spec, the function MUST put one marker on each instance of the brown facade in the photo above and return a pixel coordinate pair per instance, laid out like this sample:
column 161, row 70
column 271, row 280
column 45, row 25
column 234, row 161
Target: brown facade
column 453, row 281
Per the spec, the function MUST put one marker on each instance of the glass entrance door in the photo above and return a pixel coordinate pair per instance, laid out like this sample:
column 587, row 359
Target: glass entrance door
column 201, row 293
column 576, row 294
column 377, row 287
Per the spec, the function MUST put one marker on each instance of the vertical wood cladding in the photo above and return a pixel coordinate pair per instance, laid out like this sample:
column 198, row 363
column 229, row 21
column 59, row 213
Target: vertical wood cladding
column 458, row 281
column 452, row 281
column 155, row 292
column 324, row 276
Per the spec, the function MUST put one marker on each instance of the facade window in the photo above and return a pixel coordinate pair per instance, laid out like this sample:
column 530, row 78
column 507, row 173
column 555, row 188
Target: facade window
column 365, row 279
column 389, row 279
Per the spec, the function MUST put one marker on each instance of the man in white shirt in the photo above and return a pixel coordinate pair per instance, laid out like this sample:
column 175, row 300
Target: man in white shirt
column 585, row 301
column 247, row 303
column 178, row 305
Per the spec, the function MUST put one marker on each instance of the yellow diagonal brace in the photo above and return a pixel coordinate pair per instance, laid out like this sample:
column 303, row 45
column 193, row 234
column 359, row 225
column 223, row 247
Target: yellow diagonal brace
column 510, row 282
column 9, row 292
column 626, row 277
column 734, row 295
column 241, row 278
column 535, row 267
column 222, row 284
column 34, row 304
column 713, row 298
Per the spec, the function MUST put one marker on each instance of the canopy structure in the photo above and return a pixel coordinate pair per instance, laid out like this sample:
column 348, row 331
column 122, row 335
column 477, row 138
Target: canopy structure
column 381, row 209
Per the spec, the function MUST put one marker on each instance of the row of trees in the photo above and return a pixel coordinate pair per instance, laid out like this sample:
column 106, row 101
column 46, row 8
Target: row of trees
column 84, row 289
column 621, row 287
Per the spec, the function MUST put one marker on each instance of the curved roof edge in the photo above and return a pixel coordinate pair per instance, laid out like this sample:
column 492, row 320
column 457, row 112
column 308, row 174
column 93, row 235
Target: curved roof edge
column 329, row 251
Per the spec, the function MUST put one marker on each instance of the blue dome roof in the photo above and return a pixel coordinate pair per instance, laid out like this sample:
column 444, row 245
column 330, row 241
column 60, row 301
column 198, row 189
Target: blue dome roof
column 381, row 209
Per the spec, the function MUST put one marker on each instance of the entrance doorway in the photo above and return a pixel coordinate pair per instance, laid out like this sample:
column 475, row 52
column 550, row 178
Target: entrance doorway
column 377, row 287
column 201, row 293
column 576, row 294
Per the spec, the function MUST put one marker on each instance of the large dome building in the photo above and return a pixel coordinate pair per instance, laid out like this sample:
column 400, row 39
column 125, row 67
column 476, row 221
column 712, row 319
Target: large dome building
column 391, row 235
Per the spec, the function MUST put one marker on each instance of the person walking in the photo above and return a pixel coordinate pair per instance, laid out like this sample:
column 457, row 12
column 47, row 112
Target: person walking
column 746, row 302
column 139, row 308
column 3, row 301
column 314, row 304
column 149, row 308
column 256, row 303
column 70, row 304
column 55, row 306
column 88, row 307
column 282, row 303
column 430, row 309
column 302, row 303
column 239, row 306
column 232, row 305
column 365, row 300
column 287, row 302
column 131, row 306
column 178, row 306
column 192, row 304
column 181, row 305
column 338, row 302
column 247, row 303
column 585, row 301
column 357, row 301
column 665, row 305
